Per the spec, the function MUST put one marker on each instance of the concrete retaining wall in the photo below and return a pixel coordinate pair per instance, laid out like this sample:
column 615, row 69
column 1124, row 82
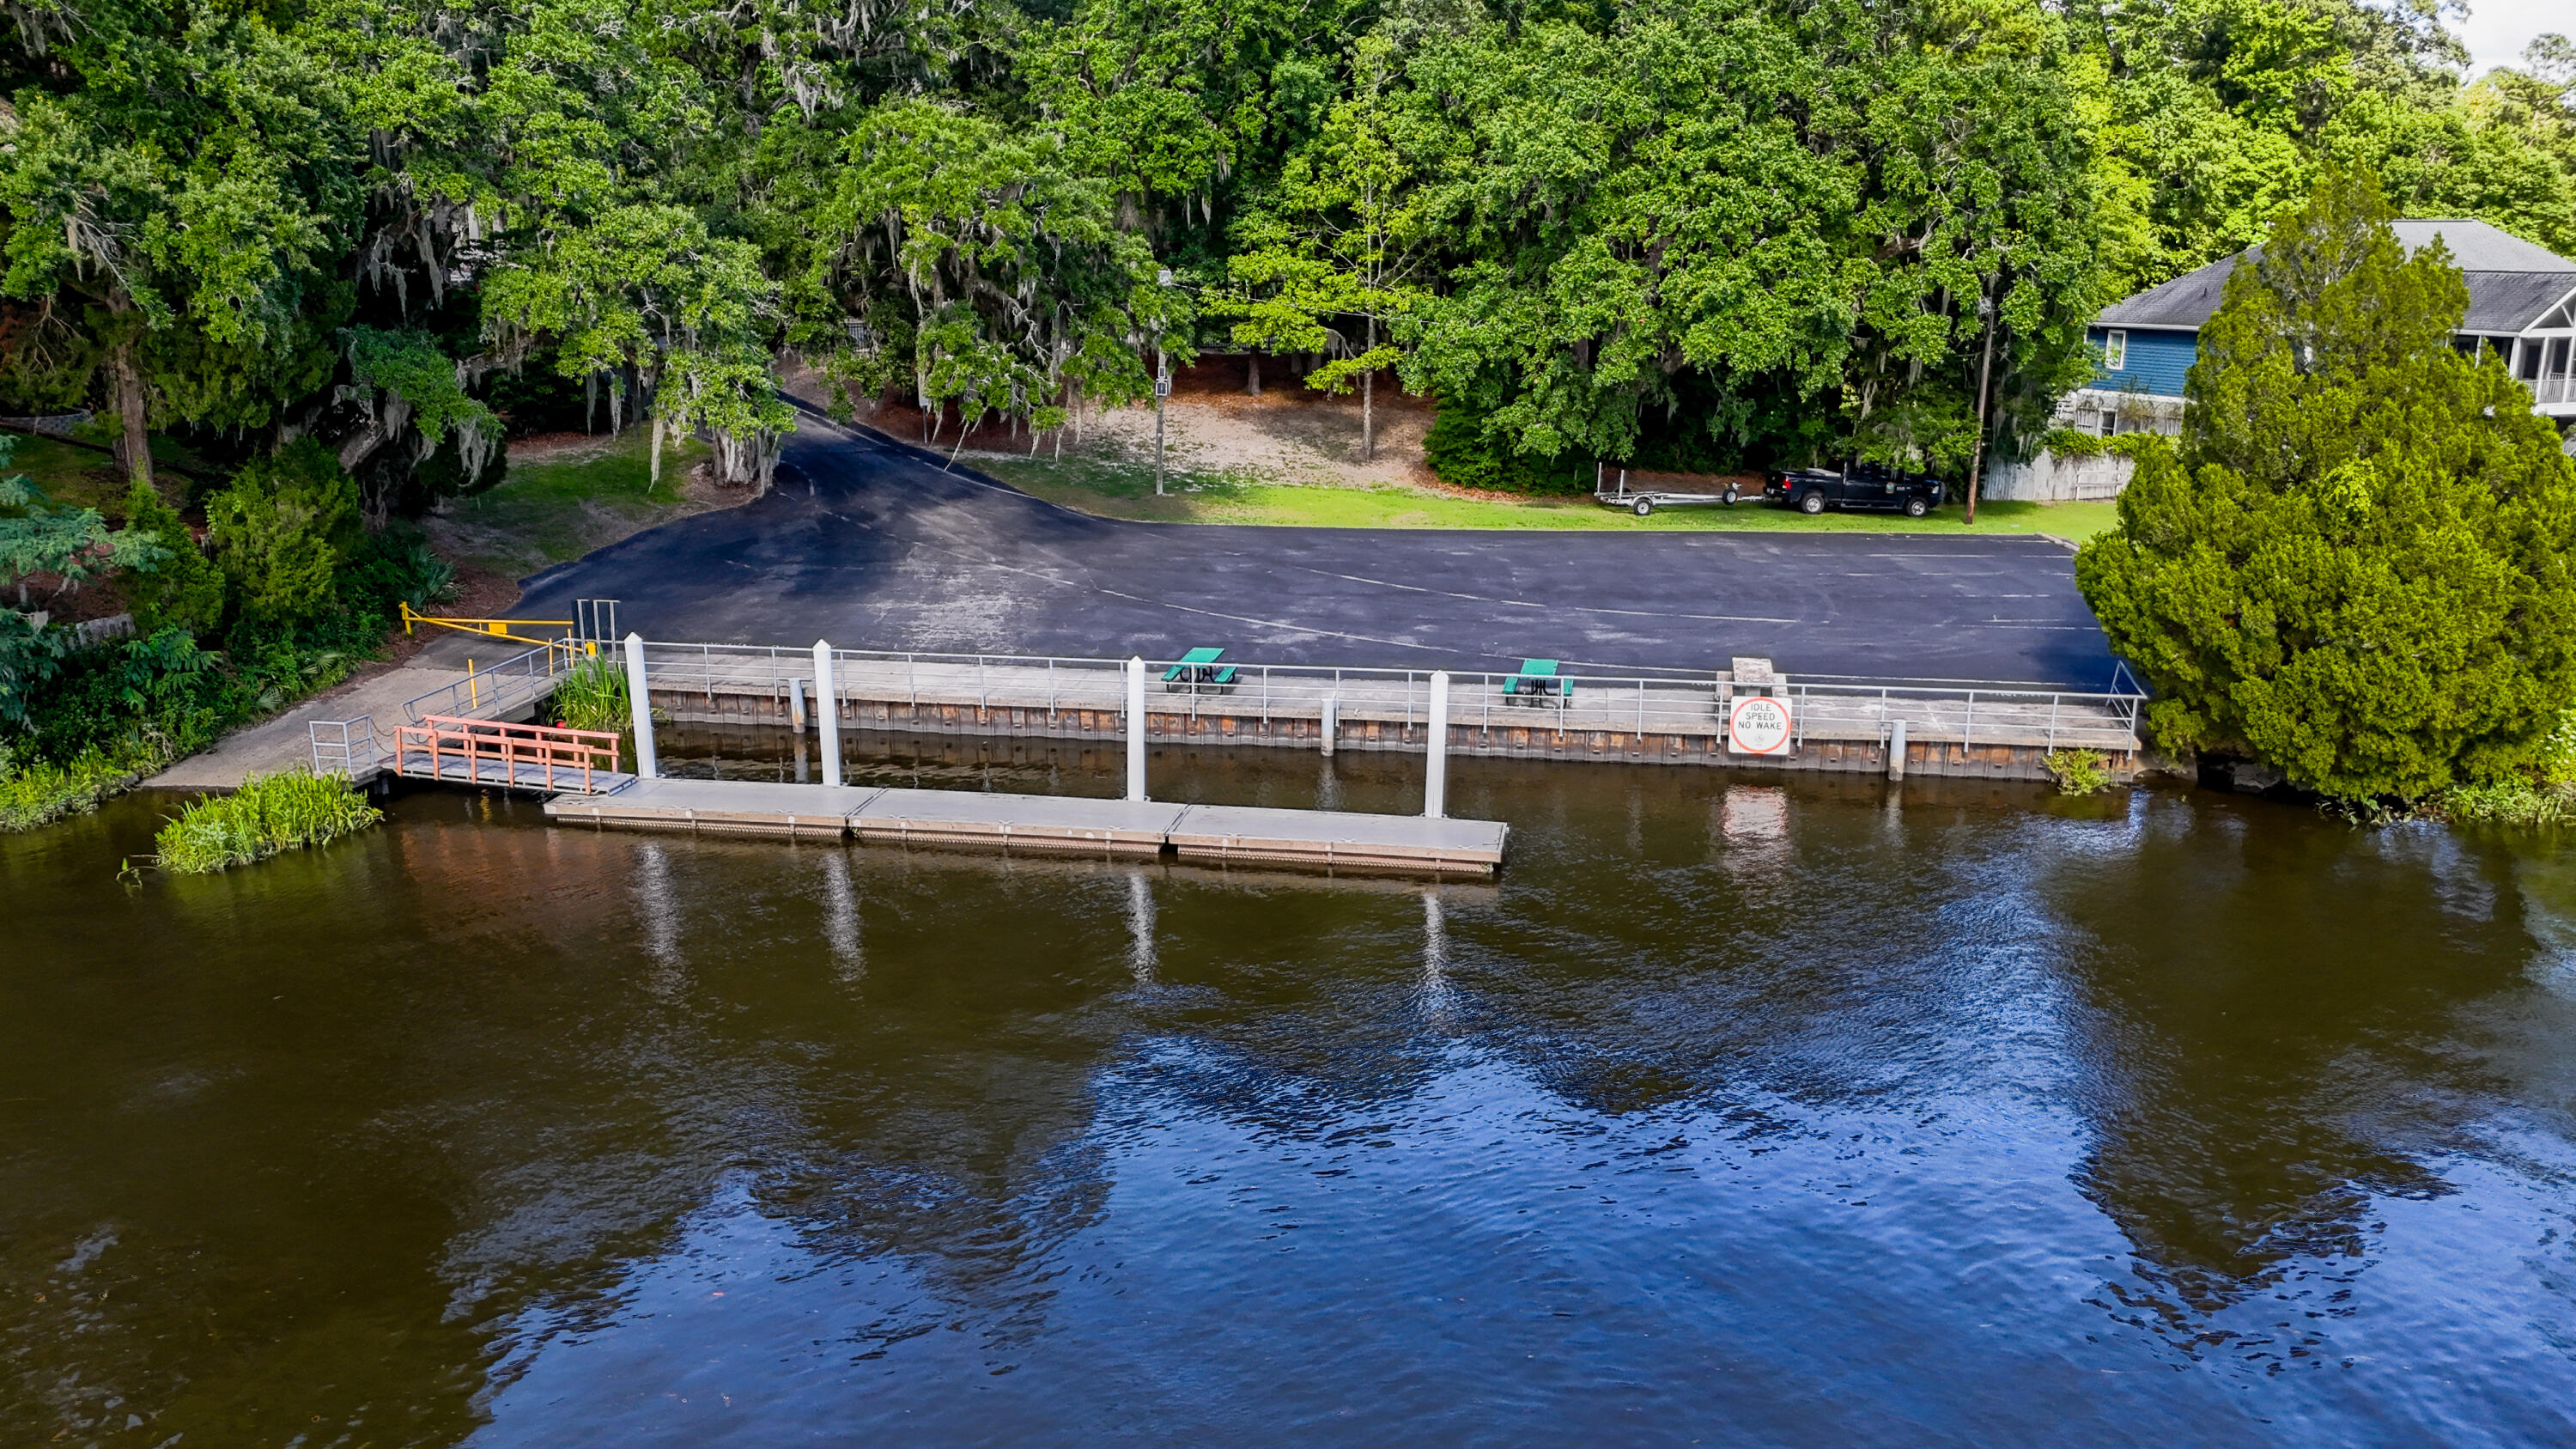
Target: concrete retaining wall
column 1922, row 757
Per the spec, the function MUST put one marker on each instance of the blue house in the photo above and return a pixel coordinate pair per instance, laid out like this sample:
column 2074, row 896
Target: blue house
column 2520, row 301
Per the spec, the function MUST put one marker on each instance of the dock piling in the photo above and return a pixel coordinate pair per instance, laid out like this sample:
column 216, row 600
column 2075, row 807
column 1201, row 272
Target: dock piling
column 796, row 703
column 1435, row 785
column 827, row 710
column 1896, row 750
column 1135, row 728
column 1332, row 725
column 640, row 703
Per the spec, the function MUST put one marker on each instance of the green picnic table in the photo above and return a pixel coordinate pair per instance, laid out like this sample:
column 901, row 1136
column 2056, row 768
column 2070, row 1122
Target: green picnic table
column 1200, row 666
column 1538, row 677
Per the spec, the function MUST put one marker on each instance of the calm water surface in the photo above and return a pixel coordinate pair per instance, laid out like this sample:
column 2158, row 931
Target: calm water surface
column 1826, row 1114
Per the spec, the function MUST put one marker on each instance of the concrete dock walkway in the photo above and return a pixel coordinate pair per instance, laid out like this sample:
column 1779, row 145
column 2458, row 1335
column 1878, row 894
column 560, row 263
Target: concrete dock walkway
column 1050, row 824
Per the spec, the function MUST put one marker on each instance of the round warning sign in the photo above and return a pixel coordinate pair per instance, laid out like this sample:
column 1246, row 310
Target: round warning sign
column 1758, row 726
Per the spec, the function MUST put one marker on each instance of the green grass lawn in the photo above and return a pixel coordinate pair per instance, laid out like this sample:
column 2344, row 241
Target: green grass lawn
column 562, row 505
column 1116, row 489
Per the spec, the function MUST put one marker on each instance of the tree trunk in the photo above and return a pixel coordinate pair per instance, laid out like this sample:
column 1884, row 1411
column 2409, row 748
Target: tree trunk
column 1977, row 455
column 1368, row 402
column 657, row 455
column 134, row 441
column 1252, row 373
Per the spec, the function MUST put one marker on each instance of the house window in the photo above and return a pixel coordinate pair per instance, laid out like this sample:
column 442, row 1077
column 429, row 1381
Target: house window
column 2110, row 421
column 2530, row 369
column 2115, row 350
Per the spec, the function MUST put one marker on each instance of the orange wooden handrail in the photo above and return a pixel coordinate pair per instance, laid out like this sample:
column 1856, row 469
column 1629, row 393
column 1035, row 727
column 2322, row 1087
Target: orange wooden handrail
column 473, row 741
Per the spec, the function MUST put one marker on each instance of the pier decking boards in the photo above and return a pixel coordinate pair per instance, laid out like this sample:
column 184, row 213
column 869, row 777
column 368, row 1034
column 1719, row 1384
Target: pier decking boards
column 1048, row 824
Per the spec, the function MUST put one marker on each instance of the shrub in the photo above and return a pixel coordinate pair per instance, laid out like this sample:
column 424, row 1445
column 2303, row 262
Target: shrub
column 2078, row 772
column 269, row 814
column 183, row 588
column 283, row 531
column 2359, row 563
column 1463, row 454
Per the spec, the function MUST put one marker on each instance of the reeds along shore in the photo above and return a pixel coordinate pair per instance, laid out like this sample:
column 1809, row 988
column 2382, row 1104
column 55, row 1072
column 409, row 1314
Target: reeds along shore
column 268, row 815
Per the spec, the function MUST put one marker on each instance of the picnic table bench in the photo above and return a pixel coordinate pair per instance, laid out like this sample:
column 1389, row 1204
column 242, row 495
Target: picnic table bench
column 1199, row 668
column 1538, row 679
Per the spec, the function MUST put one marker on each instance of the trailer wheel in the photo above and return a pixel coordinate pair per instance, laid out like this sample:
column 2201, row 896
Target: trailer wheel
column 1813, row 503
column 1645, row 507
column 1915, row 507
column 1727, row 498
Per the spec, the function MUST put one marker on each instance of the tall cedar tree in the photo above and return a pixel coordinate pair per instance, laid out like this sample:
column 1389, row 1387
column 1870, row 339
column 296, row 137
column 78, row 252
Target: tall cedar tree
column 2355, row 565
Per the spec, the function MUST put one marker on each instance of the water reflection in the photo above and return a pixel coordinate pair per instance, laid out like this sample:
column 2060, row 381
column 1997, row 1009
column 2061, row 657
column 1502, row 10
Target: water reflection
column 1809, row 1111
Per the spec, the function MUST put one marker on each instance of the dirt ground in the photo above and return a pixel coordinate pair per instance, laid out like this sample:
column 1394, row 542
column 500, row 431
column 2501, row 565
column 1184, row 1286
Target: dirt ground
column 1213, row 425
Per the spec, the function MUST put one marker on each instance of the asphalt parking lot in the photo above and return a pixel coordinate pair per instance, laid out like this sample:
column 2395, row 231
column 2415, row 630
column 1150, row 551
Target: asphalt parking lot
column 868, row 544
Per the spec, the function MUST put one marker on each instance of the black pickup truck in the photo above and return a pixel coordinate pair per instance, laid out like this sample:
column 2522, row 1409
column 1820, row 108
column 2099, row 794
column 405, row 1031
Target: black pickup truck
column 1854, row 485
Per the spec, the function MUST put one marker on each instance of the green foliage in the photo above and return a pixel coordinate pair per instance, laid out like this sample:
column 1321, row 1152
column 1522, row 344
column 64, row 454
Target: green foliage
column 592, row 695
column 40, row 536
column 1465, row 453
column 270, row 814
column 2078, row 772
column 2356, row 563
column 183, row 588
column 39, row 792
column 282, row 532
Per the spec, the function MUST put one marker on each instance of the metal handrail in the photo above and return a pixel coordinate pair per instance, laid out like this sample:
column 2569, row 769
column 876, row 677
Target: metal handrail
column 475, row 741
column 517, row 680
column 1616, row 704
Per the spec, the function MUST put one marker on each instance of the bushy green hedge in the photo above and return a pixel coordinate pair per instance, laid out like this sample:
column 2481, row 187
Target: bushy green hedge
column 1464, row 455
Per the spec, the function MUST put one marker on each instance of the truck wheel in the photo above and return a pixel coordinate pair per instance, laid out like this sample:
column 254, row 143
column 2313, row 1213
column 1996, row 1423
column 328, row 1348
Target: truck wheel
column 1727, row 498
column 1645, row 507
column 1812, row 503
column 1916, row 508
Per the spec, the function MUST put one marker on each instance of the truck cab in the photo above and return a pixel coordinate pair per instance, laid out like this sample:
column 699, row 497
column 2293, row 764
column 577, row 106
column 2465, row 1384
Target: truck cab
column 1862, row 485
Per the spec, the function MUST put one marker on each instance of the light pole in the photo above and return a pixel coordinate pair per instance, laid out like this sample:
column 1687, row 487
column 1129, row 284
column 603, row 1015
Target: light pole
column 1162, row 387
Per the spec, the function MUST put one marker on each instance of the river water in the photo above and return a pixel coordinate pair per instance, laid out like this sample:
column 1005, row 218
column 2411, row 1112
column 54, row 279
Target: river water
column 1825, row 1113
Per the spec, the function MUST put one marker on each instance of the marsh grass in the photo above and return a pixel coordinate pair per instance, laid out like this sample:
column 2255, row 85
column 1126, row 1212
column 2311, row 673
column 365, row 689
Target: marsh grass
column 592, row 695
column 268, row 815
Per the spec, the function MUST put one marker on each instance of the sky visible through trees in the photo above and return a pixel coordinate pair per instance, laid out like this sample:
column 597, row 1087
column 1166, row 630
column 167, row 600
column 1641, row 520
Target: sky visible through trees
column 1694, row 232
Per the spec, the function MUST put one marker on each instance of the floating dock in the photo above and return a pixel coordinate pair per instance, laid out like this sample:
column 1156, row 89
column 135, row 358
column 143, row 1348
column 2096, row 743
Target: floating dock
column 1329, row 840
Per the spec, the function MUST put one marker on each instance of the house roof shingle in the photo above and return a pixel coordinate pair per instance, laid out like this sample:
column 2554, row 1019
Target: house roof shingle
column 2511, row 282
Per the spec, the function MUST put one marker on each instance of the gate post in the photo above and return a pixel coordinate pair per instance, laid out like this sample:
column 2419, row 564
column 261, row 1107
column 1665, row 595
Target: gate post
column 827, row 712
column 640, row 703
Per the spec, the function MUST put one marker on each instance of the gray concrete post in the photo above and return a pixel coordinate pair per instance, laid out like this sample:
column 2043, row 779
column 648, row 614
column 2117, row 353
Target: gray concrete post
column 1135, row 728
column 1896, row 750
column 1332, row 720
column 827, row 712
column 1435, row 786
column 640, row 702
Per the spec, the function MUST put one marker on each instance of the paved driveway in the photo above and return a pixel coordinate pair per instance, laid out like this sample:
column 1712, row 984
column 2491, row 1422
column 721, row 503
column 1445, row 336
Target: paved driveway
column 868, row 545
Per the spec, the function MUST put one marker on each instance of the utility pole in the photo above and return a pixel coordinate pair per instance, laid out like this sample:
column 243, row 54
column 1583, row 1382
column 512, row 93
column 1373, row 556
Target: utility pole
column 1162, row 390
column 1985, row 370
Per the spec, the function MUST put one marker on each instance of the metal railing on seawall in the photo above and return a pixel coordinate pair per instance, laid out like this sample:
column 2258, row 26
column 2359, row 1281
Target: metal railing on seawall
column 1570, row 703
column 515, row 682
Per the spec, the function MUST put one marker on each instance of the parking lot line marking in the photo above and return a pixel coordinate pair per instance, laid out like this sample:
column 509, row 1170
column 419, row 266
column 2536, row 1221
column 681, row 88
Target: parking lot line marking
column 1552, row 608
